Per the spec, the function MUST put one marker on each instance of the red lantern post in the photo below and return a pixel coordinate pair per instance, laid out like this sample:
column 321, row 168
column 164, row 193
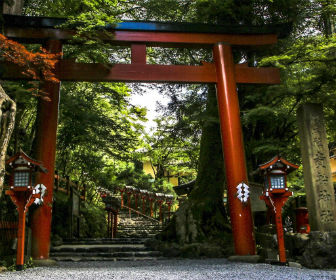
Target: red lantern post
column 276, row 194
column 23, row 194
column 302, row 220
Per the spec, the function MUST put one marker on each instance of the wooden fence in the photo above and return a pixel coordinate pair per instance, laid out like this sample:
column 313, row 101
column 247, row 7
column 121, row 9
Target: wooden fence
column 64, row 185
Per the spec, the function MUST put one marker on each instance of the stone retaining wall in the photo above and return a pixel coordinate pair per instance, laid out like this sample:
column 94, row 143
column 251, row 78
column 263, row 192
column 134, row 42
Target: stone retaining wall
column 314, row 250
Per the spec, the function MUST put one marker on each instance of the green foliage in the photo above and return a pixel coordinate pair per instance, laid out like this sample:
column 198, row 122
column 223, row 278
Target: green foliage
column 131, row 176
column 92, row 221
column 98, row 114
column 92, row 217
column 168, row 152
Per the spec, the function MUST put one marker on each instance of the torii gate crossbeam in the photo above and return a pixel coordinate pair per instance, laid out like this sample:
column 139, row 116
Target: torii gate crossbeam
column 138, row 35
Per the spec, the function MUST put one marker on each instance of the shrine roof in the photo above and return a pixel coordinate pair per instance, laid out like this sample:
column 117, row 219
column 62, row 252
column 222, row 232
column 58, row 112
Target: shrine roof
column 27, row 158
column 266, row 165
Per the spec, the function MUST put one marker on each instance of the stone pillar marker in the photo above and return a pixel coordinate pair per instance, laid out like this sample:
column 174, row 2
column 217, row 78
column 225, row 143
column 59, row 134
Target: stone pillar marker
column 316, row 168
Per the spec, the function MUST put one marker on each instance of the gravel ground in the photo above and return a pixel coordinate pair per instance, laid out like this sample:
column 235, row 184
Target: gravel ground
column 208, row 269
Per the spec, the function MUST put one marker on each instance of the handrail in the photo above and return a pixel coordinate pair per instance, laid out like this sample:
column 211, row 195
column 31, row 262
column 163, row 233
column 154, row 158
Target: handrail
column 68, row 184
column 139, row 213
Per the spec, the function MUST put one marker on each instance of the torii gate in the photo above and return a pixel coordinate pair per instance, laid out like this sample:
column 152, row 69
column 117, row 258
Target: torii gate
column 137, row 35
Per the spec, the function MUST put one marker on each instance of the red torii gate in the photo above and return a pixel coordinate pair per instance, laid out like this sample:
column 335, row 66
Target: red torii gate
column 138, row 35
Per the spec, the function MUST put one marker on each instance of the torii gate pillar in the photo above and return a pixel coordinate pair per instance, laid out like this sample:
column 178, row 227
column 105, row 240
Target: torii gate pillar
column 233, row 149
column 45, row 150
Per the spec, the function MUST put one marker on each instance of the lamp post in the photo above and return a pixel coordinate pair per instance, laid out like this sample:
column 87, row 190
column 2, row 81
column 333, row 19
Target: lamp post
column 23, row 194
column 276, row 194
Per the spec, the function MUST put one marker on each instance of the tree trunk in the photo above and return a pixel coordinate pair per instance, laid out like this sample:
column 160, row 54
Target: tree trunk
column 327, row 18
column 203, row 216
column 14, row 9
column 7, row 122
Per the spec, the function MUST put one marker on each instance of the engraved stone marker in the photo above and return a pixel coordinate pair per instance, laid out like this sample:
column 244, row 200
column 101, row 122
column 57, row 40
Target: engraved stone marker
column 316, row 168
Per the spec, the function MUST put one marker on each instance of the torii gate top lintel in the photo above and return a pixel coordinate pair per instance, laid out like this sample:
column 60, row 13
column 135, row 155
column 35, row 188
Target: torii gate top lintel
column 139, row 35
column 39, row 29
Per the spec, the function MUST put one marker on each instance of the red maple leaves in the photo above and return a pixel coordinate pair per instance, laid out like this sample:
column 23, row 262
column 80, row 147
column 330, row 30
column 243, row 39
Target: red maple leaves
column 38, row 66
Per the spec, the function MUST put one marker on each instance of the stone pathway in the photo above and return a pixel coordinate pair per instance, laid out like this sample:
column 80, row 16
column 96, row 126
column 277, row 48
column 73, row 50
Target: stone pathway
column 184, row 269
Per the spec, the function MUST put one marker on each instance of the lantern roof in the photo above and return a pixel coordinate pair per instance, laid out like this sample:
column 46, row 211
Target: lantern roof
column 278, row 162
column 22, row 158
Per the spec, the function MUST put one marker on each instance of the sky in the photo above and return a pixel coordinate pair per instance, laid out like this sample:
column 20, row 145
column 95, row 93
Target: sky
column 149, row 99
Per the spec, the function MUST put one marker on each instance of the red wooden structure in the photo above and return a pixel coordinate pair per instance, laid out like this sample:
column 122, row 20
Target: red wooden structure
column 23, row 194
column 138, row 35
column 302, row 220
column 276, row 194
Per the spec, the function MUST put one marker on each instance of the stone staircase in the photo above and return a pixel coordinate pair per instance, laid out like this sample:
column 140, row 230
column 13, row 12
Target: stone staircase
column 136, row 225
column 133, row 232
column 117, row 249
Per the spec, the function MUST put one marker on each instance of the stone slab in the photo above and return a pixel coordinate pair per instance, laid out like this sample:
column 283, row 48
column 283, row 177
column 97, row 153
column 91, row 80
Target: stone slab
column 316, row 168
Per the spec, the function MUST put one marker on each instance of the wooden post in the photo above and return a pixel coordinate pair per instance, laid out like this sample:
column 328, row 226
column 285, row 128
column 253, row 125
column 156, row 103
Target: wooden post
column 22, row 199
column 233, row 149
column 143, row 197
column 115, row 224
column 129, row 202
column 160, row 210
column 136, row 197
column 21, row 236
column 122, row 197
column 280, row 232
column 169, row 207
column 151, row 206
column 45, row 150
column 108, row 223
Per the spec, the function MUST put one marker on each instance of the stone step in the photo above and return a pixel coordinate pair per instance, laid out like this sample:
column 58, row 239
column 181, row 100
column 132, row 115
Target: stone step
column 139, row 229
column 138, row 225
column 118, row 249
column 99, row 248
column 107, row 255
column 105, row 241
column 134, row 234
column 88, row 259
